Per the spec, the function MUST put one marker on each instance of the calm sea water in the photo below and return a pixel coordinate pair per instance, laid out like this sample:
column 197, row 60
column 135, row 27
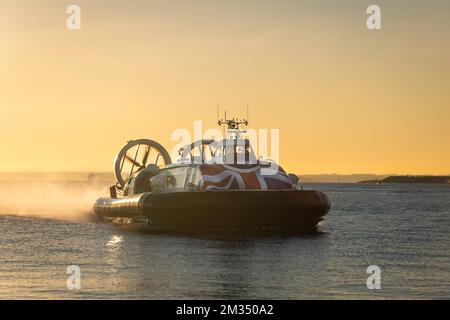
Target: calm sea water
column 404, row 229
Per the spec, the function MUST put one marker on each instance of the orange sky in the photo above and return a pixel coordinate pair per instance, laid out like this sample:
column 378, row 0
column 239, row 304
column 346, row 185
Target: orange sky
column 346, row 99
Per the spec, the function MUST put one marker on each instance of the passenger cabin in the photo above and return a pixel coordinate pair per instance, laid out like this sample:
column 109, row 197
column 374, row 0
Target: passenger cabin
column 208, row 165
column 205, row 165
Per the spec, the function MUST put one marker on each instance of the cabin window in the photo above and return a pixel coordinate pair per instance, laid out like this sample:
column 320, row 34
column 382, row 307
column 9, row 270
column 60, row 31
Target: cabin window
column 169, row 180
column 193, row 179
column 179, row 175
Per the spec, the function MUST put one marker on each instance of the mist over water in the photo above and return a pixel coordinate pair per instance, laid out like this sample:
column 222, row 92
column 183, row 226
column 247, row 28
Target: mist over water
column 70, row 201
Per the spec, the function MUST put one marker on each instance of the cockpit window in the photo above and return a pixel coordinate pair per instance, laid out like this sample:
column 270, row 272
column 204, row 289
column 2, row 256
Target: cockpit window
column 169, row 180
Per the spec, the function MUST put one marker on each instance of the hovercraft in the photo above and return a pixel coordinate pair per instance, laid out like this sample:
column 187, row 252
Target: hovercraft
column 214, row 185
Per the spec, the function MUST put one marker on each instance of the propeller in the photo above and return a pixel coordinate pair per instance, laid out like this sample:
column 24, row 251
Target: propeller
column 145, row 146
column 134, row 162
column 144, row 161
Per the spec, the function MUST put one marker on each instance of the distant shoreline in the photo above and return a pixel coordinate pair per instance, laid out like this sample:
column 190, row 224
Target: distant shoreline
column 108, row 177
column 410, row 179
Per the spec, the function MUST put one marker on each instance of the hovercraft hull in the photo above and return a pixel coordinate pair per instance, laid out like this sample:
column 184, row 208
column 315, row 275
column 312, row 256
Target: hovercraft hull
column 293, row 209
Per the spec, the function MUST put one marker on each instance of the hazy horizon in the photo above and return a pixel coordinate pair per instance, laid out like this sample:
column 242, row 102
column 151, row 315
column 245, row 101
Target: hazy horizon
column 108, row 177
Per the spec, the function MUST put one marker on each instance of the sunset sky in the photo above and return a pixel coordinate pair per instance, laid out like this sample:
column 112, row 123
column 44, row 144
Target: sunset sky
column 346, row 99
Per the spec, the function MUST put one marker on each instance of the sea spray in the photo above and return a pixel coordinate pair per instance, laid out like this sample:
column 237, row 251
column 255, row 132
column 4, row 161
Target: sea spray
column 64, row 200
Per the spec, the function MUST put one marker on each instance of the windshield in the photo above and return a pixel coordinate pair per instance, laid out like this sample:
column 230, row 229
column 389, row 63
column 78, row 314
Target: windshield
column 169, row 180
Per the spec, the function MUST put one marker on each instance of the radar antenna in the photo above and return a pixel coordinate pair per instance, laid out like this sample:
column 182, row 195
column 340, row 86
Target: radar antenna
column 233, row 126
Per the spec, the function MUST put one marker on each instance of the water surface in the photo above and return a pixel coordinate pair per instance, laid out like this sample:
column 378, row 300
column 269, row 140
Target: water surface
column 404, row 229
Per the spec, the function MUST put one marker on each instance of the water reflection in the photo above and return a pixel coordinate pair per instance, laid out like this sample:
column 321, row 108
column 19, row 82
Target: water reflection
column 114, row 241
column 220, row 266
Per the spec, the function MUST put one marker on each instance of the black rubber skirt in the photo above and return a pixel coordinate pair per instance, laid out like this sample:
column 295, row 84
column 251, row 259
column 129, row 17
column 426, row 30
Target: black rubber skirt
column 219, row 209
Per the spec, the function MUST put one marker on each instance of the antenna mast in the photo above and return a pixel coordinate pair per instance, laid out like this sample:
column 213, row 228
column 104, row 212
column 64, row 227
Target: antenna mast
column 248, row 117
column 233, row 124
